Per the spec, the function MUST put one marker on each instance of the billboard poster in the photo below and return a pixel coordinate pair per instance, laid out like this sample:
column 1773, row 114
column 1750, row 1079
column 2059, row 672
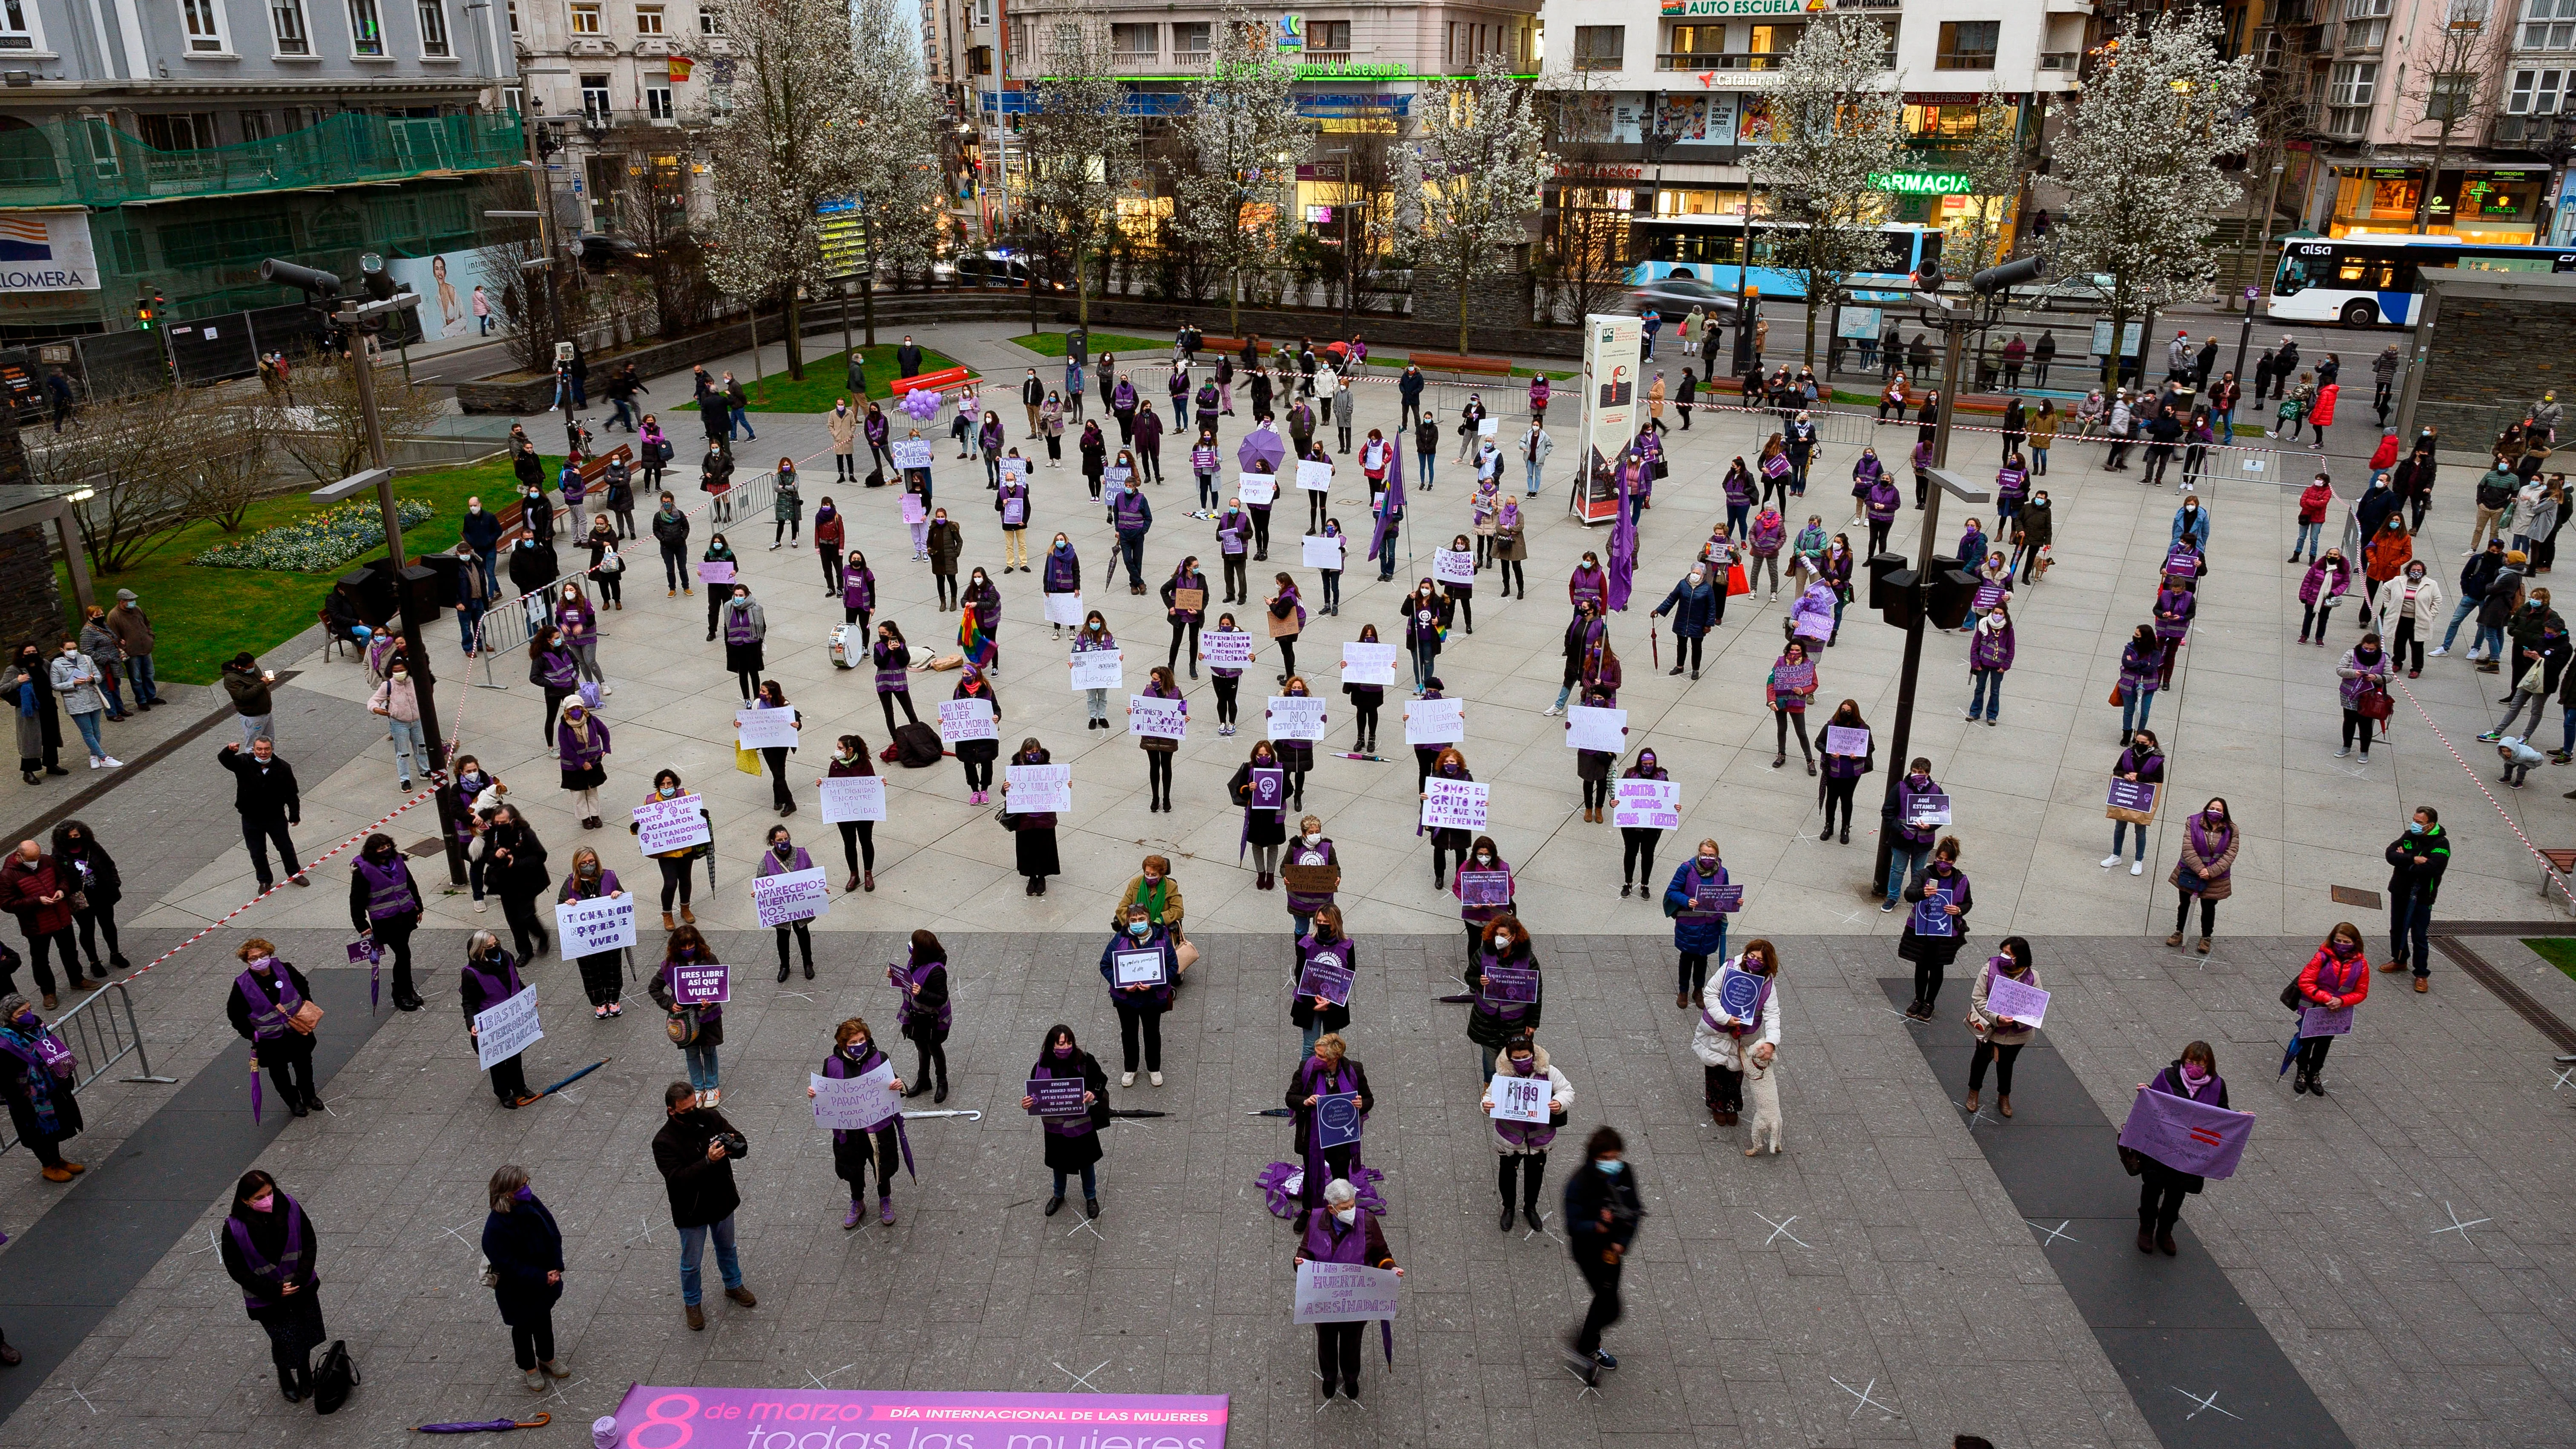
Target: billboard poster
column 446, row 283
column 47, row 251
column 1611, row 347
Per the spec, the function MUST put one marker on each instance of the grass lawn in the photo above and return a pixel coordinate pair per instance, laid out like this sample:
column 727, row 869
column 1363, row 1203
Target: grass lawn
column 827, row 380
column 1051, row 344
column 205, row 616
column 2559, row 953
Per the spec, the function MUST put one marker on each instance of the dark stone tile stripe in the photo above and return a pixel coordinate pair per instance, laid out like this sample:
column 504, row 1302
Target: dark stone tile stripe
column 2175, row 1329
column 2542, row 1019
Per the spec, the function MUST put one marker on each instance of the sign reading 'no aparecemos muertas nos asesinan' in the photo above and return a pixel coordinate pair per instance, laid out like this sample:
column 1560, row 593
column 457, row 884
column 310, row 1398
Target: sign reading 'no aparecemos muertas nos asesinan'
column 651, row 1417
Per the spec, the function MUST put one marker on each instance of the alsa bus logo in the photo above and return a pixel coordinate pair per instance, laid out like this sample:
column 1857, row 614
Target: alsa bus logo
column 24, row 239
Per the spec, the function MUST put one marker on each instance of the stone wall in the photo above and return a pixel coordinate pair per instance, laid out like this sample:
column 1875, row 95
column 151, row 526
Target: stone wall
column 2493, row 348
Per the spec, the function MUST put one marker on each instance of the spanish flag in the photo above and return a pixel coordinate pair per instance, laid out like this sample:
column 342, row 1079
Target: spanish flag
column 680, row 67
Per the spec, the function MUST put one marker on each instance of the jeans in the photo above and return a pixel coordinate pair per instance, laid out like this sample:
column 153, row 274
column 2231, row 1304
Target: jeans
column 2491, row 639
column 468, row 615
column 1532, row 464
column 138, row 672
column 1131, row 547
column 2119, row 832
column 1905, row 859
column 2459, row 612
column 1980, row 698
column 740, row 427
column 1332, row 590
column 699, row 1058
column 693, row 1243
column 255, row 727
column 2310, row 536
column 2135, row 705
column 2410, row 916
column 408, row 741
column 1426, row 663
column 1090, row 1181
column 89, row 733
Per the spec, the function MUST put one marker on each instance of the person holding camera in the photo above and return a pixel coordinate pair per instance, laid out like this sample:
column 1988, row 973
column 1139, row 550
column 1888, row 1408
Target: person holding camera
column 695, row 1152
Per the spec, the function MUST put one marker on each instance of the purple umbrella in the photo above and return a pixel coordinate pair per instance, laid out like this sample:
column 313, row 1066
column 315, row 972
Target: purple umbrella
column 1262, row 445
column 488, row 1426
column 254, row 1091
column 1623, row 545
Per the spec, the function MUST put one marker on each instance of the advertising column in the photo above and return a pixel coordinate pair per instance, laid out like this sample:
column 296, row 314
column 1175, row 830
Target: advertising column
column 1611, row 345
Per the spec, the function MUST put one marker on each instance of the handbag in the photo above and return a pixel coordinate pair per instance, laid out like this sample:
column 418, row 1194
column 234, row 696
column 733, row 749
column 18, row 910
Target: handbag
column 590, row 693
column 2291, row 999
column 1005, row 819
column 747, row 761
column 1184, row 956
column 2132, row 1161
column 2118, row 694
column 1736, row 582
column 2375, row 704
column 682, row 1026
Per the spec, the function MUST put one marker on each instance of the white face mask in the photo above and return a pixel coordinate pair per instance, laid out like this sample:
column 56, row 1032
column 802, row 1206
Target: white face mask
column 1314, row 837
column 1346, row 1216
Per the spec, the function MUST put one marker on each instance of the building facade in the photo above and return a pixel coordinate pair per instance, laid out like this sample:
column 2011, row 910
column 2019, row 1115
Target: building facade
column 172, row 147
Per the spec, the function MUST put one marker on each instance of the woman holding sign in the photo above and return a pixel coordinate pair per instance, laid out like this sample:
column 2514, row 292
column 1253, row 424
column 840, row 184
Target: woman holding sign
column 602, row 977
column 1592, row 767
column 854, row 1150
column 1503, row 974
column 784, row 856
column 1582, row 637
column 1032, row 831
column 1328, row 1072
column 1738, row 1030
column 1325, row 961
column 1140, row 967
column 2000, row 1037
column 2335, row 980
column 1637, row 843
column 926, row 1010
column 893, row 660
column 1159, row 749
column 489, row 978
column 1228, row 678
column 1511, row 550
column 697, row 1029
column 1287, row 621
column 1695, row 899
column 1521, row 1144
column 1011, row 501
column 2142, row 763
column 976, row 756
column 1185, row 606
column 1426, row 627
column 745, row 625
column 1092, row 638
column 1446, row 762
column 1791, row 683
column 2194, row 1074
column 1297, row 756
column 1338, row 1232
column 1260, row 786
column 1843, row 771
column 1233, row 526
column 1061, row 575
column 858, row 837
column 774, row 696
column 1366, row 700
column 1938, row 926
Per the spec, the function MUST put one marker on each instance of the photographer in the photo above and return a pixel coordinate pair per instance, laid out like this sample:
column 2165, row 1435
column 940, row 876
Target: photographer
column 695, row 1151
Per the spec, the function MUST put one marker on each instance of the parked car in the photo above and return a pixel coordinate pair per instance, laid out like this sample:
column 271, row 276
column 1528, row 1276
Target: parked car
column 1675, row 296
column 988, row 269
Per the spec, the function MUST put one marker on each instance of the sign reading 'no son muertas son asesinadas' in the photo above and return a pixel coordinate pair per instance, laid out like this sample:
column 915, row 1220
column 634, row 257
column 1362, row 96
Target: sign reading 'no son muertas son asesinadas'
column 651, row 1417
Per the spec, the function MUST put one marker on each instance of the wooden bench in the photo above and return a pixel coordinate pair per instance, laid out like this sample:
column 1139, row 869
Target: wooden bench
column 941, row 381
column 1456, row 362
column 2557, row 873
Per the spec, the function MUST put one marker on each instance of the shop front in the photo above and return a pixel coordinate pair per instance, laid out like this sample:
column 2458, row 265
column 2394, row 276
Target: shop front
column 2503, row 205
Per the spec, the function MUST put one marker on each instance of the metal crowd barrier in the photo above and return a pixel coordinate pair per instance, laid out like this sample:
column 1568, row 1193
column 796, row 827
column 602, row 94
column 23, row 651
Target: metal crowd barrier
column 99, row 1040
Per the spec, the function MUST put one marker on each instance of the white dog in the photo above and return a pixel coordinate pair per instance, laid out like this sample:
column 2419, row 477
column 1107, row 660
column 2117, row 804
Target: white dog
column 1762, row 1094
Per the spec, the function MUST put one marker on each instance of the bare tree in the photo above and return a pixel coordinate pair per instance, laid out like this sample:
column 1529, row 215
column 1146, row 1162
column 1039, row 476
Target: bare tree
column 325, row 431
column 2452, row 92
column 131, row 458
column 1836, row 127
column 1475, row 166
column 1078, row 150
column 1585, row 259
column 1248, row 141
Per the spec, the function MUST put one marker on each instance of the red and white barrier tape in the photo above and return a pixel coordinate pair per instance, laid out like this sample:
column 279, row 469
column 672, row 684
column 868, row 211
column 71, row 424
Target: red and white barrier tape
column 2550, row 871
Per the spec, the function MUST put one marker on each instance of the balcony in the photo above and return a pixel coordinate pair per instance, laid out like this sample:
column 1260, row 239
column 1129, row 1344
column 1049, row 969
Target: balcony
column 1720, row 61
column 77, row 162
column 2058, row 60
column 2529, row 132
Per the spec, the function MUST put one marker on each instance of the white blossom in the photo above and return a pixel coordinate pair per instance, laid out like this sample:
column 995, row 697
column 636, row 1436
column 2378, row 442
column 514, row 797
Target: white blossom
column 1473, row 171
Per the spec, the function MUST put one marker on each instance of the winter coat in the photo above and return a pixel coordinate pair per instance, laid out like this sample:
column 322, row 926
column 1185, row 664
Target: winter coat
column 1717, row 1048
column 2327, row 578
column 2428, row 602
column 1560, row 1098
column 1979, row 1012
column 1694, row 609
column 2214, row 870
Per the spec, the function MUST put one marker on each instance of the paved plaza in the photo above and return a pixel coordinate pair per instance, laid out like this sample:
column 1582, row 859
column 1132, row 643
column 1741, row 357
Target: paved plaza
column 1903, row 1272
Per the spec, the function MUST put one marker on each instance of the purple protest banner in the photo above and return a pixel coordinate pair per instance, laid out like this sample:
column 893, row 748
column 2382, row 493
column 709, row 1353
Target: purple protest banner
column 2132, row 800
column 1790, row 678
column 2315, row 1020
column 1331, row 983
column 659, row 1417
column 701, row 985
column 1269, row 788
column 2185, row 1135
column 1484, row 887
column 1506, row 983
column 1989, row 594
column 1056, row 1096
column 1930, row 917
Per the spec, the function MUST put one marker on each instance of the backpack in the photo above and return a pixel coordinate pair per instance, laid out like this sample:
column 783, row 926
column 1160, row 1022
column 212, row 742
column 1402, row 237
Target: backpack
column 334, row 1377
column 917, row 746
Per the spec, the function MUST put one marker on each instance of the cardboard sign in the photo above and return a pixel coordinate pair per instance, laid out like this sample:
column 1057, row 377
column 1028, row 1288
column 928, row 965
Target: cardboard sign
column 591, row 927
column 1231, row 648
column 1099, row 669
column 1591, row 728
column 707, row 985
column 1346, row 1293
column 1453, row 566
column 1257, row 489
column 2314, row 1020
column 758, row 728
column 1368, row 664
column 1484, row 887
column 505, row 1029
column 2024, row 1003
column 716, row 571
column 853, row 797
column 1337, row 1119
column 1038, row 789
column 663, row 826
column 1065, row 609
column 855, row 1104
column 1295, row 717
column 2133, row 800
column 1520, row 1099
column 1332, row 983
column 1314, row 476
column 1138, row 968
column 1647, row 805
column 966, row 719
column 795, row 895
column 1323, row 552
column 1189, row 601
column 1160, row 719
column 1056, row 1096
column 1454, row 804
column 1847, row 740
column 1435, row 721
column 911, row 452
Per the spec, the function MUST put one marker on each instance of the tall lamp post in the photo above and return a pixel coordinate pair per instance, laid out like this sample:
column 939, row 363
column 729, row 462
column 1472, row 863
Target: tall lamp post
column 414, row 587
column 1956, row 317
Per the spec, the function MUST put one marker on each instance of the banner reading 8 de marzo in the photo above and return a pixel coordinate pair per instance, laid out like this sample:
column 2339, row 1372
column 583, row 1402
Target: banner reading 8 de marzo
column 652, row 1417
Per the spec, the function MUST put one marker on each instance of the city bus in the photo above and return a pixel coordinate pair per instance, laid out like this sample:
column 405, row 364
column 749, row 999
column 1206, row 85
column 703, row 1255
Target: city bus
column 1706, row 249
column 2367, row 281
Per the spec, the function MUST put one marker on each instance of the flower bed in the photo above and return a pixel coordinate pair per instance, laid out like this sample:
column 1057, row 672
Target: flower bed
column 313, row 545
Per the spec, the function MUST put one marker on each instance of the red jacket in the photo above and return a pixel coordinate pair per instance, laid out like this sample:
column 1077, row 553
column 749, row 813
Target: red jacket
column 23, row 888
column 2386, row 455
column 2322, row 411
column 2313, row 501
column 828, row 531
column 2359, row 971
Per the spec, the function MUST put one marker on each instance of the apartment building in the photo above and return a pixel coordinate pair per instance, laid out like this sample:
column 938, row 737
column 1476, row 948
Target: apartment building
column 607, row 87
column 174, row 146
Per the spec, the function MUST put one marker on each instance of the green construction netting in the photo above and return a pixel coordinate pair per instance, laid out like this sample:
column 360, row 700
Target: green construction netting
column 89, row 162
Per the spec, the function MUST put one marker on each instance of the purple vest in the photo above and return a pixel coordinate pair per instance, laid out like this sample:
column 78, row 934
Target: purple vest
column 1743, row 1028
column 1336, row 953
column 1131, row 510
column 1300, row 853
column 917, row 973
column 561, row 669
column 891, row 668
column 738, row 626
column 267, row 1022
column 839, row 1067
column 498, row 986
column 858, row 590
column 389, row 890
column 299, row 1249
column 42, row 1051
column 1327, row 1241
column 1509, row 1013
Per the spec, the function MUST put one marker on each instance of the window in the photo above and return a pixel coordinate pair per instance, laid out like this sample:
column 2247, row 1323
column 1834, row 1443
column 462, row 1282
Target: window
column 2452, row 96
column 514, row 101
column 594, row 97
column 657, row 103
column 648, row 20
column 191, row 132
column 1132, row 43
column 1599, row 47
column 1328, row 35
column 710, row 23
column 1190, row 41
column 366, row 29
column 18, row 26
column 983, row 14
column 1698, row 40
column 1018, row 33
column 2352, row 82
column 433, row 28
column 204, row 23
column 585, row 19
column 2535, row 93
column 2549, row 25
column 2365, row 9
column 2364, row 34
column 255, row 126
column 514, row 16
column 1968, row 45
column 286, row 23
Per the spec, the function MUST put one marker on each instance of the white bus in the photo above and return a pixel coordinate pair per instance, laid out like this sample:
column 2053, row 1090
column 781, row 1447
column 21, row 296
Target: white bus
column 2365, row 281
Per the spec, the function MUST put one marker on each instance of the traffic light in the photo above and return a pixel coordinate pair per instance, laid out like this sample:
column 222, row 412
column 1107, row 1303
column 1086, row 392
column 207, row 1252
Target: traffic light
column 147, row 312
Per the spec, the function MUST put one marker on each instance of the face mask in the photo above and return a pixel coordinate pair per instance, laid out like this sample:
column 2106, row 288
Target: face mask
column 264, row 1202
column 1611, row 1166
column 1942, row 867
column 1346, row 1216
column 30, row 1020
column 2414, row 827
column 2192, row 1073
column 1064, row 1051
column 688, row 953
column 589, row 871
column 783, row 849
column 1140, row 929
column 1707, row 863
column 1523, row 1066
column 857, row 1048
column 2214, row 817
column 1314, row 837
column 1484, row 857
column 402, row 674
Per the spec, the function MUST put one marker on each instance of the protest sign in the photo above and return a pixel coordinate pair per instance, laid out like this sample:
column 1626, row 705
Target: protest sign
column 1257, row 488
column 1739, row 995
column 1345, row 1293
column 1590, row 728
column 1847, row 740
column 1064, row 609
column 710, row 984
column 965, row 719
column 1484, row 887
column 1056, row 1096
column 757, row 728
column 1314, row 476
column 590, row 927
column 663, row 826
column 1368, row 664
column 1332, row 983
column 1295, row 717
column 2185, row 1135
column 911, row 452
column 1099, row 669
column 1520, row 1099
column 715, row 571
column 853, row 797
column 1435, row 721
column 1161, row 719
column 1231, row 648
column 2133, row 801
column 1337, row 1119
column 855, row 1104
column 1647, row 805
column 794, row 895
column 1510, row 983
column 2315, row 1020
column 1324, row 552
column 1454, row 804
column 505, row 1029
column 1930, row 919
column 1139, row 968
column 1038, row 789
column 2027, row 1005
column 1453, row 566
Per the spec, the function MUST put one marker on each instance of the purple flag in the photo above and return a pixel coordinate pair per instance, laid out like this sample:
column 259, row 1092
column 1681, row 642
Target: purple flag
column 1262, row 445
column 254, row 1091
column 1390, row 503
column 1623, row 546
column 2185, row 1135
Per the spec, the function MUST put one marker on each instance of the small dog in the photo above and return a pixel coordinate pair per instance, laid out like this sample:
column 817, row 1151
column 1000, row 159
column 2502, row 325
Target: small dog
column 1762, row 1094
